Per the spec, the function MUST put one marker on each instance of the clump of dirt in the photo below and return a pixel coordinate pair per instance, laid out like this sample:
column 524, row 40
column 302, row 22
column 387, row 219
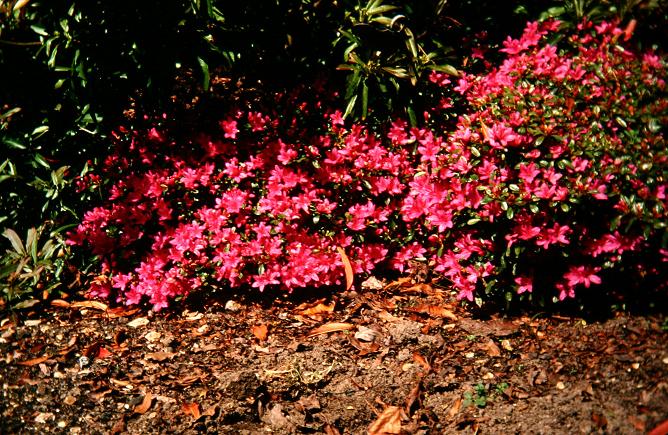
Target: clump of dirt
column 406, row 361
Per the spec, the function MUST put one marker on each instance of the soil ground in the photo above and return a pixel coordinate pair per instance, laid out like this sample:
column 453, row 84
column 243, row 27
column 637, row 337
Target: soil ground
column 405, row 358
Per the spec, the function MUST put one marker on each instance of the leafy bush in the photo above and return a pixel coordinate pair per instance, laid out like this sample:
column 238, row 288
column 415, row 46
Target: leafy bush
column 544, row 176
column 32, row 265
column 558, row 173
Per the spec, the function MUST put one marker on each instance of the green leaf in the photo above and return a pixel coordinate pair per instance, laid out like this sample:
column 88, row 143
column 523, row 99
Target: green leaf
column 41, row 161
column 209, row 8
column 412, row 45
column 365, row 99
column 381, row 9
column 52, row 57
column 40, row 130
column 15, row 240
column 31, row 243
column 14, row 144
column 39, row 30
column 26, row 304
column 654, row 125
column 47, row 250
column 400, row 73
column 353, row 82
column 10, row 112
column 350, row 106
column 205, row 73
column 448, row 69
column 385, row 21
column 552, row 12
column 411, row 116
column 350, row 37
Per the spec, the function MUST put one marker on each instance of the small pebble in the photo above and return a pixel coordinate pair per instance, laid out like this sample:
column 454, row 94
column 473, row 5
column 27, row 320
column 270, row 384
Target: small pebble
column 232, row 306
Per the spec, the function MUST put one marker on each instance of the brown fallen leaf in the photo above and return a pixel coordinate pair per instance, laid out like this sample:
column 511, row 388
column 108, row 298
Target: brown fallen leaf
column 99, row 395
column 454, row 409
column 191, row 409
column 431, row 323
column 145, row 404
column 189, row 380
column 160, row 356
column 364, row 348
column 90, row 304
column 34, row 361
column 308, row 403
column 485, row 130
column 661, row 429
column 306, row 305
column 119, row 426
column 92, row 350
column 260, row 332
column 492, row 348
column 419, row 359
column 599, row 420
column 318, row 310
column 413, row 398
column 103, row 353
column 401, row 282
column 139, row 321
column 119, row 382
column 435, row 310
column 388, row 422
column 420, row 288
column 387, row 317
column 331, row 430
column 210, row 411
column 60, row 303
column 113, row 313
column 330, row 327
column 347, row 267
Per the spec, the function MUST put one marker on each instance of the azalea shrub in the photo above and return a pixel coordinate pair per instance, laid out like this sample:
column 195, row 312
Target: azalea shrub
column 542, row 178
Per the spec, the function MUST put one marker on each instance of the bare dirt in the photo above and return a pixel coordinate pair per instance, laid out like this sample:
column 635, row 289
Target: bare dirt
column 404, row 359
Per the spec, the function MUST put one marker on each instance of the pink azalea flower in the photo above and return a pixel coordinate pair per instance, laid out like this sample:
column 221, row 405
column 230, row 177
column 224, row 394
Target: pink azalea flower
column 155, row 135
column 337, row 118
column 528, row 172
column 256, row 121
column 585, row 275
column 229, row 127
column 525, row 284
column 565, row 292
column 409, row 252
column 265, row 279
column 554, row 235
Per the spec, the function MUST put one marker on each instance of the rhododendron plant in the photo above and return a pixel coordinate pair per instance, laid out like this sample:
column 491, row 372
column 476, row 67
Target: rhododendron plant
column 552, row 178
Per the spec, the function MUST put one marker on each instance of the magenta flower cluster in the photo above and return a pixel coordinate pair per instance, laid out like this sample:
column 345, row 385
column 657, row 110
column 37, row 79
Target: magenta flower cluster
column 554, row 173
